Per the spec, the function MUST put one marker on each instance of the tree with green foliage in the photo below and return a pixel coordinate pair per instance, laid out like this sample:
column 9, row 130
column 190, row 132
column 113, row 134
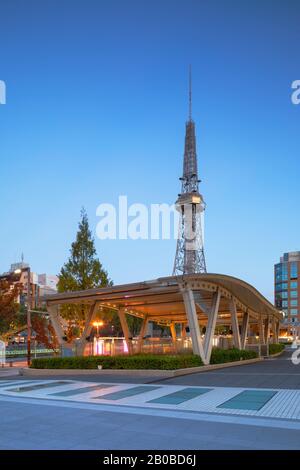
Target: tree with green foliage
column 82, row 271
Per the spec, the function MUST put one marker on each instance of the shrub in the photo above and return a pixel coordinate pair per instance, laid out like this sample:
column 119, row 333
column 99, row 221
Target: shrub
column 220, row 356
column 276, row 348
column 138, row 361
column 141, row 361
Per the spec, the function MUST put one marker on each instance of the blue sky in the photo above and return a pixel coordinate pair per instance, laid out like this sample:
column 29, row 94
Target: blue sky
column 96, row 107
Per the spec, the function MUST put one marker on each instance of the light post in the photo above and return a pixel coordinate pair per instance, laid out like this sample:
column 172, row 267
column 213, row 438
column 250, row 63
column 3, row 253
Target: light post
column 34, row 342
column 28, row 318
column 97, row 324
column 18, row 271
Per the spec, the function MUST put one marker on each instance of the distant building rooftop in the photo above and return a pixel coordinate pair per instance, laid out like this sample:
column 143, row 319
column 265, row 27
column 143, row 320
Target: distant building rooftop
column 291, row 256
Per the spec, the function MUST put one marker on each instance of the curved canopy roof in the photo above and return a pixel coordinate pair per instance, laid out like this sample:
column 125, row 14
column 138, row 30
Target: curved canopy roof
column 161, row 299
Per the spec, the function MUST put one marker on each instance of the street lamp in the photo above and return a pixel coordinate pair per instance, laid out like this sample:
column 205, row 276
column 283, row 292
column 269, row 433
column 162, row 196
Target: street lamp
column 97, row 324
column 18, row 271
column 99, row 343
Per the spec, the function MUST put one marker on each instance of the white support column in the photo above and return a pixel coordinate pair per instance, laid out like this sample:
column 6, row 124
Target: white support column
column 261, row 330
column 173, row 332
column 245, row 325
column 190, row 310
column 125, row 328
column 267, row 334
column 142, row 333
column 235, row 324
column 267, row 330
column 87, row 328
column 54, row 317
column 274, row 329
column 211, row 325
column 277, row 331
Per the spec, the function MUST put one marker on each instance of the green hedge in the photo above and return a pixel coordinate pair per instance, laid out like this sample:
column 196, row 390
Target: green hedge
column 276, row 348
column 138, row 361
column 220, row 356
column 141, row 361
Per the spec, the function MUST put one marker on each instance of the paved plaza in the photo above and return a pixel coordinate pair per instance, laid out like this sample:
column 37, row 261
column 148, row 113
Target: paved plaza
column 255, row 406
column 277, row 372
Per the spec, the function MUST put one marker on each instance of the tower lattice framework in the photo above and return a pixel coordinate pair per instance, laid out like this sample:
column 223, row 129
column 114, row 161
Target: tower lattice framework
column 190, row 258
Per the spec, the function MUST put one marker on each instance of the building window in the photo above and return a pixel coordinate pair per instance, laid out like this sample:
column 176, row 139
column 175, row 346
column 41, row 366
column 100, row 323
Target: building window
column 284, row 295
column 294, row 285
column 284, row 272
column 294, row 270
column 281, row 272
column 294, row 294
column 294, row 311
column 281, row 286
column 294, row 303
column 285, row 304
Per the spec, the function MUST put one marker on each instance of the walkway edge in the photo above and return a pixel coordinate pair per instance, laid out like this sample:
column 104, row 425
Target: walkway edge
column 276, row 354
column 134, row 372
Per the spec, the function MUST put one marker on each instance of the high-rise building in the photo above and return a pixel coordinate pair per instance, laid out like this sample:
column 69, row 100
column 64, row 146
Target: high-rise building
column 287, row 287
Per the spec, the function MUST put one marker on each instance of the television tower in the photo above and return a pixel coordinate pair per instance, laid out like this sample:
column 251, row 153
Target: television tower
column 189, row 258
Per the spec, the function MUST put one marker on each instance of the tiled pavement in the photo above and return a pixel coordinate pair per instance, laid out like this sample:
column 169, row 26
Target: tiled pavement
column 264, row 403
column 245, row 407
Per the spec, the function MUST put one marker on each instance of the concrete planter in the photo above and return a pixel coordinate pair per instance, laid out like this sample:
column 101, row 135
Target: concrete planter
column 277, row 354
column 135, row 372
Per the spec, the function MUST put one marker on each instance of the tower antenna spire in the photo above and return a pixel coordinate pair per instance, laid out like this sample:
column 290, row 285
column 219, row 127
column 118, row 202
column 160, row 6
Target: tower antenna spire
column 190, row 92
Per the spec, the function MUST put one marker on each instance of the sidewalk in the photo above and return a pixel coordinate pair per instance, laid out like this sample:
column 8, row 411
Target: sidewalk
column 9, row 372
column 12, row 368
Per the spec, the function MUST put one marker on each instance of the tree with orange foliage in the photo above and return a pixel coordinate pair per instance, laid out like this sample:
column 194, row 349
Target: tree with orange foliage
column 44, row 331
column 9, row 306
